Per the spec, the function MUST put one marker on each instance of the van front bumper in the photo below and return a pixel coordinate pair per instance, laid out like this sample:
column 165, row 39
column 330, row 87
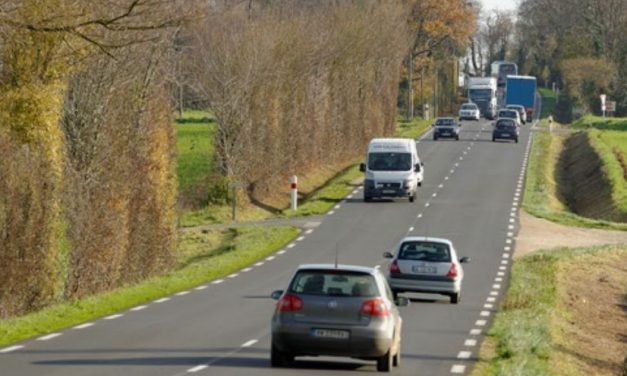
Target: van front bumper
column 386, row 189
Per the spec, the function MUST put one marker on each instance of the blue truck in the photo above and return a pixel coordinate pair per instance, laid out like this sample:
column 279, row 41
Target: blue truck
column 521, row 90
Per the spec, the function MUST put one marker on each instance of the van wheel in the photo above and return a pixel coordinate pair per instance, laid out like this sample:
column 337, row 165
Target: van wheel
column 516, row 140
column 493, row 139
column 456, row 297
column 367, row 199
column 384, row 363
column 435, row 138
column 457, row 138
column 412, row 198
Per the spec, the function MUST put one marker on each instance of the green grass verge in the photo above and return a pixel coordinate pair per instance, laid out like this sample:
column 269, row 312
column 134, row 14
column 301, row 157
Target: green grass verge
column 540, row 198
column 412, row 129
column 611, row 146
column 202, row 257
column 522, row 338
column 549, row 100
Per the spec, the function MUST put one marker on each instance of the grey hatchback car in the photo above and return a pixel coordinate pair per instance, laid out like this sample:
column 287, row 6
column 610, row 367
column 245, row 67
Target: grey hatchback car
column 337, row 310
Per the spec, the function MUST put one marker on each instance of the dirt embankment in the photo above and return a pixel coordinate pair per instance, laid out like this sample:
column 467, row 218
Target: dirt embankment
column 582, row 184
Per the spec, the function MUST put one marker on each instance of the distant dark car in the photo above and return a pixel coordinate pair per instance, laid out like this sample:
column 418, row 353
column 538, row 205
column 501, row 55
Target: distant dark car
column 505, row 129
column 338, row 310
column 446, row 127
column 521, row 111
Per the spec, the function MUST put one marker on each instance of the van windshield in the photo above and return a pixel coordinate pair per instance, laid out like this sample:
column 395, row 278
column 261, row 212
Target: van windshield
column 389, row 161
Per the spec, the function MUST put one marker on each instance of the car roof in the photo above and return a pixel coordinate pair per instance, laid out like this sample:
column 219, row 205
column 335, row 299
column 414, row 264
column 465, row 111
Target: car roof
column 445, row 118
column 426, row 238
column 341, row 267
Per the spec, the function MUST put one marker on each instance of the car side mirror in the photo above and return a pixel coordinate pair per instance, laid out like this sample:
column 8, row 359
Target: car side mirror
column 417, row 167
column 464, row 260
column 401, row 301
column 276, row 294
column 388, row 255
column 362, row 167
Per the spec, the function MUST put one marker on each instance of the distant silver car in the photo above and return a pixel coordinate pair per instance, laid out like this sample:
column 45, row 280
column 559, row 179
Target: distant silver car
column 521, row 111
column 425, row 264
column 338, row 310
column 469, row 111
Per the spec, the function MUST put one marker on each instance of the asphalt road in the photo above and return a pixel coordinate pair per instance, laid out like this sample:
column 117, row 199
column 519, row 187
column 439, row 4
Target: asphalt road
column 470, row 196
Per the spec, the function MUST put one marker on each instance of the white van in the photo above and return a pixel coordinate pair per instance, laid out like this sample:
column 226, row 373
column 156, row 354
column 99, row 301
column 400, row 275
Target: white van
column 393, row 169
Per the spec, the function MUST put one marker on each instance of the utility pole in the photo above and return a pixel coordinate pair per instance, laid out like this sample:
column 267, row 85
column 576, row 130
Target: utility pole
column 410, row 87
column 435, row 92
column 422, row 101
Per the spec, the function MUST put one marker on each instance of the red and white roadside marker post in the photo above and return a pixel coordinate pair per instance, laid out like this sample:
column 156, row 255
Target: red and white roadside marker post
column 294, row 192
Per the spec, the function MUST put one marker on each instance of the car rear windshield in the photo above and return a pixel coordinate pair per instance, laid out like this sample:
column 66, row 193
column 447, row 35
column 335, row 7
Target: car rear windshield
column 505, row 124
column 508, row 114
column 425, row 251
column 334, row 283
column 389, row 161
column 445, row 122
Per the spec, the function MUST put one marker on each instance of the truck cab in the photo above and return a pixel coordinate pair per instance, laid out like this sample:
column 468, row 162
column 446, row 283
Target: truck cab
column 392, row 169
column 482, row 91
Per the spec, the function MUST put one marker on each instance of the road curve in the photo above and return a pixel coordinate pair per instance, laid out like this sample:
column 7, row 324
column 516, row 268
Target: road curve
column 471, row 195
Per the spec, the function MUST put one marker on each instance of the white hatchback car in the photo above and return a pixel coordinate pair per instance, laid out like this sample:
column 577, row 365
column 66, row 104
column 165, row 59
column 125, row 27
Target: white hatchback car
column 428, row 265
column 469, row 111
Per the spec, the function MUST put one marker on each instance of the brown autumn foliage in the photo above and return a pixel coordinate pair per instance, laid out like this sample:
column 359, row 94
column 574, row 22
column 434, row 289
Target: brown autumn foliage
column 293, row 87
column 118, row 209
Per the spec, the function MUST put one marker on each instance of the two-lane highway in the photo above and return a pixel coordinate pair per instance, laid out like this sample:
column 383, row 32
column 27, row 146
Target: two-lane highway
column 471, row 195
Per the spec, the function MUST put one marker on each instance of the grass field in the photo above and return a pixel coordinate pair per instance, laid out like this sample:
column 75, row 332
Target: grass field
column 544, row 326
column 195, row 152
column 549, row 100
column 202, row 256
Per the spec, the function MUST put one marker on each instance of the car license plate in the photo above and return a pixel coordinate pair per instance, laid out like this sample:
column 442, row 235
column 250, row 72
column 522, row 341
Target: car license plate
column 330, row 333
column 389, row 191
column 504, row 134
column 424, row 269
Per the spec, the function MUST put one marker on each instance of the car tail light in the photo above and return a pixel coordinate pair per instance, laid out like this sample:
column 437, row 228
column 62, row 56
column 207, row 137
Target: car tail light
column 452, row 272
column 290, row 303
column 394, row 267
column 375, row 307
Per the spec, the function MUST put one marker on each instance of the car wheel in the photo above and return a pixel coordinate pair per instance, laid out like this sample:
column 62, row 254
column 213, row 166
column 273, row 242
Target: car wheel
column 384, row 363
column 516, row 139
column 367, row 199
column 456, row 297
column 412, row 198
column 435, row 138
column 493, row 139
column 395, row 294
column 457, row 138
column 278, row 358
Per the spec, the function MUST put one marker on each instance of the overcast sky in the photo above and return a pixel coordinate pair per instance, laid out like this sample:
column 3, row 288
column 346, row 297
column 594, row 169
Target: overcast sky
column 500, row 4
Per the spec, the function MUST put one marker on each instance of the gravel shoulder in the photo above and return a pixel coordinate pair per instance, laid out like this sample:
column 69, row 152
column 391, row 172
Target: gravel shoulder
column 536, row 233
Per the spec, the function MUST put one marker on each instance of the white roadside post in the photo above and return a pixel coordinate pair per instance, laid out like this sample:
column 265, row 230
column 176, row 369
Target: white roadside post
column 603, row 97
column 294, row 192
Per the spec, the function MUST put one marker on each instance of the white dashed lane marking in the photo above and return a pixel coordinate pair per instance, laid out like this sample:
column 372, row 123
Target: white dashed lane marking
column 162, row 300
column 246, row 270
column 291, row 245
column 470, row 342
column 139, row 308
column 200, row 288
column 458, row 368
column 491, row 299
column 84, row 326
column 270, row 258
column 182, row 293
column 48, row 337
column 249, row 343
column 11, row 348
column 481, row 322
column 197, row 368
column 279, row 253
column 218, row 281
column 309, row 231
column 475, row 332
column 259, row 263
column 300, row 238
column 118, row 315
column 464, row 355
column 233, row 275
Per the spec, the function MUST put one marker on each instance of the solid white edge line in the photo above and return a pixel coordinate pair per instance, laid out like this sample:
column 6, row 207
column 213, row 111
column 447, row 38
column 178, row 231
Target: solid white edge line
column 48, row 337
